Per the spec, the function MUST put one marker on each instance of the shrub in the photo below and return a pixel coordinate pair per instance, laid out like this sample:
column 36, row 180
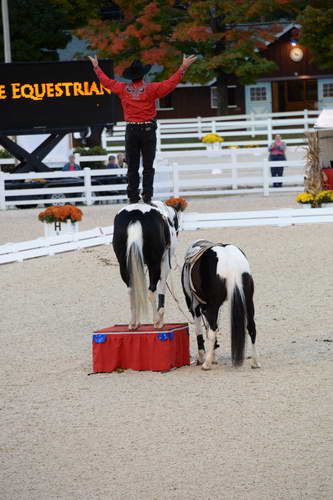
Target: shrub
column 6, row 167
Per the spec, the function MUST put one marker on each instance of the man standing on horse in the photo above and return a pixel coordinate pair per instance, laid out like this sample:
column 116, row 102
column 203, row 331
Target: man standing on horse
column 138, row 100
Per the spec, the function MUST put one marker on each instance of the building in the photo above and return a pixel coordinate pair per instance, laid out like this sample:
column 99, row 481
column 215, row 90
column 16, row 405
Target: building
column 295, row 85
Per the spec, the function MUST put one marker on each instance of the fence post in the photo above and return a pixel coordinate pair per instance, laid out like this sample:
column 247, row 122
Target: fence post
column 213, row 127
column 234, row 173
column 158, row 137
column 199, row 127
column 2, row 191
column 175, row 177
column 265, row 167
column 306, row 120
column 269, row 132
column 87, row 185
column 103, row 138
column 252, row 118
column 77, row 158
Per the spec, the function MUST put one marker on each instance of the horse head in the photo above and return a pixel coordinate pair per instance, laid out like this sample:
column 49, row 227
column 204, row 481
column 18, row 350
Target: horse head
column 178, row 205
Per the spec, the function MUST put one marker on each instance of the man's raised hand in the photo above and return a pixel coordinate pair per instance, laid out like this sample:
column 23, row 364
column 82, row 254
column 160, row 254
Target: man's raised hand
column 94, row 61
column 188, row 60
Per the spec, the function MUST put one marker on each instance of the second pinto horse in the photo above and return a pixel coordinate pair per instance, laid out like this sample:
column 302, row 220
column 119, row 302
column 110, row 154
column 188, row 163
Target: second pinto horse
column 213, row 273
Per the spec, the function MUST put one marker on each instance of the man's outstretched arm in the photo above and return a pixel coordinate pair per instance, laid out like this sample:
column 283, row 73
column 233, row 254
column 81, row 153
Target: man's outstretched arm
column 107, row 82
column 161, row 89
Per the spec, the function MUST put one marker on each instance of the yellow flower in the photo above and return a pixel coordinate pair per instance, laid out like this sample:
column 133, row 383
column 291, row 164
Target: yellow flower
column 322, row 197
column 325, row 196
column 209, row 138
column 304, row 198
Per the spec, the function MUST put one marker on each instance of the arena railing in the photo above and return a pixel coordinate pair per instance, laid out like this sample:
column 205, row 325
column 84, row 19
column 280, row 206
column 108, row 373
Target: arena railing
column 172, row 179
column 252, row 129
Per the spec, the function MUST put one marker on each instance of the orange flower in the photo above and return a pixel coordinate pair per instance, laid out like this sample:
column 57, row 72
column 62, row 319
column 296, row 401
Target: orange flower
column 177, row 203
column 61, row 214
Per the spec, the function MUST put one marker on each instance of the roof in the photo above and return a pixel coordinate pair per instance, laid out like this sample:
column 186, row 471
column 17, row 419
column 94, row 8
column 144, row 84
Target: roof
column 284, row 29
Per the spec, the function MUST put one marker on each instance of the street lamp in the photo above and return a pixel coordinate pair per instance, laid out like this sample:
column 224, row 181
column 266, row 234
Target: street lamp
column 6, row 33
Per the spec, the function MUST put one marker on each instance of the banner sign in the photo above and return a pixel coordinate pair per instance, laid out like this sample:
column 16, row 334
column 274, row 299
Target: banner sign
column 48, row 96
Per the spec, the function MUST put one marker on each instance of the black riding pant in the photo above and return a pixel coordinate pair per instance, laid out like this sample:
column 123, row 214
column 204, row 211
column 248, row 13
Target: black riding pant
column 140, row 140
column 277, row 171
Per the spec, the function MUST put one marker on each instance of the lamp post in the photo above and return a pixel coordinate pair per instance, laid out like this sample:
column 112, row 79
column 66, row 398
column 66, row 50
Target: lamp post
column 6, row 33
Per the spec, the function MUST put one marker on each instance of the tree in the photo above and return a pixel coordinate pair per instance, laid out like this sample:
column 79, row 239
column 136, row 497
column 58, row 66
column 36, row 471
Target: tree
column 229, row 36
column 36, row 30
column 317, row 32
column 39, row 27
column 78, row 12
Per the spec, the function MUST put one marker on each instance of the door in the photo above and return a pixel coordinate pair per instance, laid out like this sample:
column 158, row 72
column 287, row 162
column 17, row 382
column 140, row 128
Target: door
column 258, row 98
column 325, row 93
column 300, row 94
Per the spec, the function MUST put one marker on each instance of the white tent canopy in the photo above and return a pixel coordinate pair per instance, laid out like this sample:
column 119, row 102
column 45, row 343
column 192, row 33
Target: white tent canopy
column 325, row 119
column 324, row 128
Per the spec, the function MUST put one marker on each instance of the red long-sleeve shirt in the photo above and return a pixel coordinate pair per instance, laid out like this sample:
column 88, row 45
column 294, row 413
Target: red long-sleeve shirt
column 138, row 99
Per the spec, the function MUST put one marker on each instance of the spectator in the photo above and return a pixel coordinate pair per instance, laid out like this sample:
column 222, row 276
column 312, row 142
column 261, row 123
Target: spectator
column 277, row 153
column 121, row 161
column 111, row 162
column 71, row 165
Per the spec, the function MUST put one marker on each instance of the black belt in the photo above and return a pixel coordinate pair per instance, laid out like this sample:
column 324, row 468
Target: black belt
column 141, row 123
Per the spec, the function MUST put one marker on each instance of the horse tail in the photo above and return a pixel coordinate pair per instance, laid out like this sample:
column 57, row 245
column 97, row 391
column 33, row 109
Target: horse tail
column 237, row 307
column 135, row 267
column 238, row 314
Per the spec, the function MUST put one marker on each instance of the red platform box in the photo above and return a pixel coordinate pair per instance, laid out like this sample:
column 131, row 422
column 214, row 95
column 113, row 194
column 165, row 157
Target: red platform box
column 146, row 348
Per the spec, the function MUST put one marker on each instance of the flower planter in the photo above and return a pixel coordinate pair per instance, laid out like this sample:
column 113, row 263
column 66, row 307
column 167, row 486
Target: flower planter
column 52, row 229
column 213, row 146
column 323, row 205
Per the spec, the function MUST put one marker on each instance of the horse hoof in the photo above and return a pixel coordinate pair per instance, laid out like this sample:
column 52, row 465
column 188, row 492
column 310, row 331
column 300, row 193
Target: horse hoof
column 199, row 363
column 256, row 365
column 214, row 362
column 206, row 367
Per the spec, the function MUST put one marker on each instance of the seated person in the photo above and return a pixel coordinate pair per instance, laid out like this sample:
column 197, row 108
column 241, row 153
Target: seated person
column 121, row 161
column 71, row 165
column 111, row 162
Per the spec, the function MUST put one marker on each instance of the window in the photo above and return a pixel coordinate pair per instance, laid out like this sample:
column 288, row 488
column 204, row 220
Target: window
column 258, row 94
column 213, row 98
column 231, row 96
column 327, row 89
column 164, row 103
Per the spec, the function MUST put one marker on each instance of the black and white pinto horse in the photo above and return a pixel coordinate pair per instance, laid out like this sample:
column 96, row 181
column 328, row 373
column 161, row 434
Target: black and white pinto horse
column 145, row 237
column 213, row 273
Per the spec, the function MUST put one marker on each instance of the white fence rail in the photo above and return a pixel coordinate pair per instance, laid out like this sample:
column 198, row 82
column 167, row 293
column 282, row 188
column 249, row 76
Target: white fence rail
column 18, row 252
column 40, row 247
column 240, row 130
column 228, row 176
column 88, row 192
